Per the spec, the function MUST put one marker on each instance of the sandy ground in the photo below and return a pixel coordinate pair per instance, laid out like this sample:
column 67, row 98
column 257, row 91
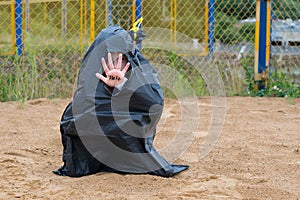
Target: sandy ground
column 257, row 155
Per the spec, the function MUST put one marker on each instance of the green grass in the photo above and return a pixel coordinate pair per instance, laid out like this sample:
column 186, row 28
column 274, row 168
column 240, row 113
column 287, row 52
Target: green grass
column 50, row 65
column 279, row 84
column 52, row 72
column 36, row 74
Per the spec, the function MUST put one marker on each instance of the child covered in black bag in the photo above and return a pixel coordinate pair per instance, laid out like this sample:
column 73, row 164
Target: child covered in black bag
column 111, row 122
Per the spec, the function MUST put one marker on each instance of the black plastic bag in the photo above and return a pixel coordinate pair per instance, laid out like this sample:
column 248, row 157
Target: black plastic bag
column 113, row 130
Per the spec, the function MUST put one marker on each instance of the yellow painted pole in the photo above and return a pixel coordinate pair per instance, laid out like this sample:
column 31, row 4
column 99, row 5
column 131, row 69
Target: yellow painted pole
column 45, row 12
column 92, row 22
column 85, row 18
column 206, row 26
column 175, row 23
column 256, row 46
column 133, row 19
column 268, row 41
column 13, row 27
column 171, row 21
column 106, row 14
column 81, row 26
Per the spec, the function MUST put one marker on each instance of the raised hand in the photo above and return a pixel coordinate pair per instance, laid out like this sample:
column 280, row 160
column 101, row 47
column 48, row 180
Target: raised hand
column 114, row 72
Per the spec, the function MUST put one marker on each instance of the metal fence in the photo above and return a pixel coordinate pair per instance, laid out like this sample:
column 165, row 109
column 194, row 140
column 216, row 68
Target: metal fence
column 192, row 36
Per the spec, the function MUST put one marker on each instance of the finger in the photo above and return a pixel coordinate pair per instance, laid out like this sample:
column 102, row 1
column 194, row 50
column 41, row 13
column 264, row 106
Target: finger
column 119, row 62
column 126, row 68
column 101, row 77
column 110, row 62
column 104, row 66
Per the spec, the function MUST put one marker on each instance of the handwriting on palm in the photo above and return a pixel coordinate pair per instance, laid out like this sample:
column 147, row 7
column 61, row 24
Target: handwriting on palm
column 114, row 74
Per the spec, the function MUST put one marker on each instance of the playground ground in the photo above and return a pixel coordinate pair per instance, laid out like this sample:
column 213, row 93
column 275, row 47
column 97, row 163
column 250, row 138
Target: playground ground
column 257, row 155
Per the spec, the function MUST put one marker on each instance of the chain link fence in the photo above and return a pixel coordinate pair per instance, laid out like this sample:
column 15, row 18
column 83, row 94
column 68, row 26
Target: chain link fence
column 56, row 34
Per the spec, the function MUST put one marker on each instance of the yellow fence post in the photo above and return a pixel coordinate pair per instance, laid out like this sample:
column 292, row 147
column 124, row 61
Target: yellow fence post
column 206, row 26
column 175, row 23
column 256, row 41
column 45, row 12
column 133, row 18
column 173, row 13
column 171, row 21
column 268, row 40
column 81, row 26
column 85, row 21
column 13, row 27
column 92, row 22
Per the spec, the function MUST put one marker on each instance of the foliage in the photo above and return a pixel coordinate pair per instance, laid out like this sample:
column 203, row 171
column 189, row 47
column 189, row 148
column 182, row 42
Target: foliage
column 278, row 85
column 288, row 9
column 50, row 65
column 248, row 32
column 230, row 12
column 224, row 30
column 14, row 79
column 189, row 81
column 249, row 76
column 242, row 9
column 183, row 80
column 37, row 75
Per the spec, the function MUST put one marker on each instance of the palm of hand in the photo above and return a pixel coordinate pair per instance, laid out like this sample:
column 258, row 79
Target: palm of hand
column 114, row 73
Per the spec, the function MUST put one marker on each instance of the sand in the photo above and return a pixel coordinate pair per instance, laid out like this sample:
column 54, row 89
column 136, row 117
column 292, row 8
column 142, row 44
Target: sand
column 257, row 154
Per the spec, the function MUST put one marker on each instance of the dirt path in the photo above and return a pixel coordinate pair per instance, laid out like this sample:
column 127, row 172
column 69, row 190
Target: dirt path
column 257, row 155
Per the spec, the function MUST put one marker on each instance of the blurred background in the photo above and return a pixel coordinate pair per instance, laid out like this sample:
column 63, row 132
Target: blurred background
column 42, row 43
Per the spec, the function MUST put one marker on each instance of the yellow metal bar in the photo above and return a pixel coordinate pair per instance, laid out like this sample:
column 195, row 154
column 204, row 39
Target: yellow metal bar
column 206, row 26
column 13, row 27
column 191, row 54
column 45, row 12
column 268, row 34
column 81, row 26
column 6, row 2
column 133, row 13
column 92, row 22
column 257, row 25
column 41, row 1
column 175, row 23
column 31, row 1
column 171, row 21
column 106, row 14
column 85, row 18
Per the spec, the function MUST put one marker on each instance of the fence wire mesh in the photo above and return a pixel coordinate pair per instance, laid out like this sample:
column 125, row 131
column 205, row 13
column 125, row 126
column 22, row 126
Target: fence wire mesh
column 56, row 34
